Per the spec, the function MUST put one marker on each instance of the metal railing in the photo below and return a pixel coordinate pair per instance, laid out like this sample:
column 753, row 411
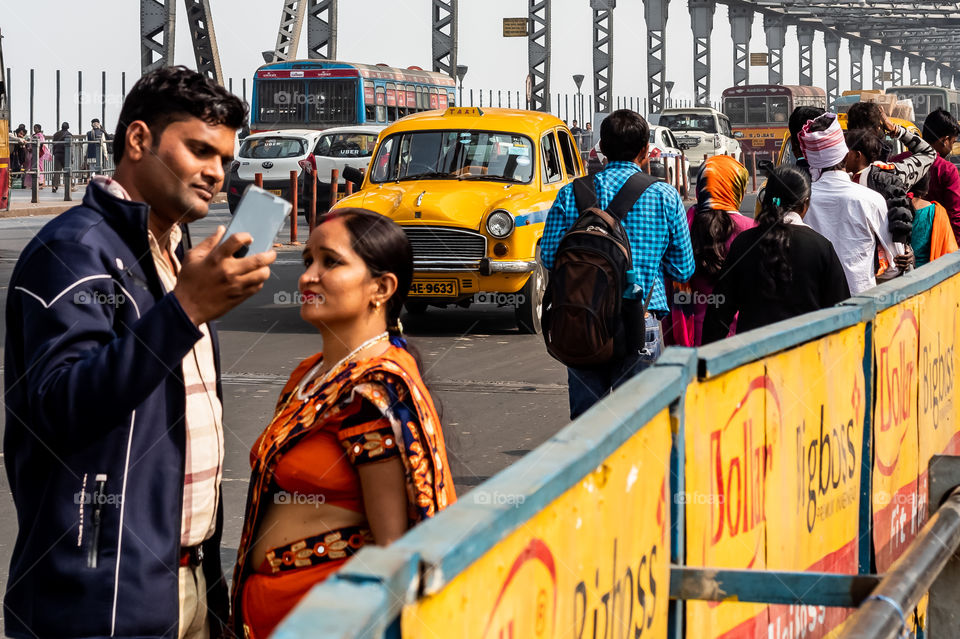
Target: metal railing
column 67, row 163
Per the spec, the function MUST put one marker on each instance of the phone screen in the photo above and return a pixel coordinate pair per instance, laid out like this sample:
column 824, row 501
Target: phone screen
column 261, row 214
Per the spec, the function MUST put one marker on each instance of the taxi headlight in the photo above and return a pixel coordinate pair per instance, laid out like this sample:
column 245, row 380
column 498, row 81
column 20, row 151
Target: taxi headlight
column 500, row 224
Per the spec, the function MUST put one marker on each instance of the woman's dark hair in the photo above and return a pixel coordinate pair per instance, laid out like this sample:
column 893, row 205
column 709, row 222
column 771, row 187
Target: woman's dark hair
column 623, row 134
column 865, row 115
column 37, row 128
column 173, row 94
column 709, row 232
column 786, row 189
column 865, row 141
column 921, row 187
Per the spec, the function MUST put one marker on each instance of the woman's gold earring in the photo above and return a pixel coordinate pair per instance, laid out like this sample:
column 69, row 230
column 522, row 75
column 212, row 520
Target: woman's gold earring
column 377, row 304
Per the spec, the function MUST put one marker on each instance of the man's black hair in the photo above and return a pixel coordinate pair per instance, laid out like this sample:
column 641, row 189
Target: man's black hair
column 623, row 135
column 800, row 116
column 97, row 120
column 173, row 94
column 939, row 124
column 865, row 115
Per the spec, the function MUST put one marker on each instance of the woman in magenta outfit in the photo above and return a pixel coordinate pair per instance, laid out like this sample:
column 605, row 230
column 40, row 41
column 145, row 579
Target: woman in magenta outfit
column 714, row 223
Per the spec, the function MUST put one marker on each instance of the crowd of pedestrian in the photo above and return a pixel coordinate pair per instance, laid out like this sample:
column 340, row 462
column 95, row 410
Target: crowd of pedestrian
column 114, row 440
column 56, row 154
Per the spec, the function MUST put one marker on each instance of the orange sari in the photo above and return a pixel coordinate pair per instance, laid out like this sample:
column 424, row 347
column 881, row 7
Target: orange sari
column 407, row 410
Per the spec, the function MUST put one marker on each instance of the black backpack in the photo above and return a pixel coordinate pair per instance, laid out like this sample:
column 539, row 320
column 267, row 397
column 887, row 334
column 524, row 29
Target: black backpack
column 586, row 321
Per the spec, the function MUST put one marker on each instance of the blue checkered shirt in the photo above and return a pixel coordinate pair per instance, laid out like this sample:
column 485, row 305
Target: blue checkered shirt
column 656, row 226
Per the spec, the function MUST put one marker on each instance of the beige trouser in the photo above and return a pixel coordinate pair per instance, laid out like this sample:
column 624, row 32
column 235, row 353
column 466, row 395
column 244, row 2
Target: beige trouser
column 193, row 604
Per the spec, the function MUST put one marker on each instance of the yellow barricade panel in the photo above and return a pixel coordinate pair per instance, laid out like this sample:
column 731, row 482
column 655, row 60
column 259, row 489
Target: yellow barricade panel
column 594, row 563
column 896, row 508
column 814, row 419
column 727, row 458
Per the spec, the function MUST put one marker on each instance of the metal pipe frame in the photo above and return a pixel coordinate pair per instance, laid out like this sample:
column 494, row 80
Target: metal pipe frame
column 655, row 14
column 158, row 19
column 775, row 29
column 910, row 576
column 602, row 53
column 538, row 53
column 805, row 35
column 856, row 65
column 741, row 27
column 831, row 42
column 291, row 25
column 701, row 15
column 322, row 18
column 200, row 21
column 445, row 37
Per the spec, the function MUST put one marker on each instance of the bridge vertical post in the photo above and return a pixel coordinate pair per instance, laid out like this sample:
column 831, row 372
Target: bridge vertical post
column 776, row 31
column 445, row 37
column 200, row 21
column 916, row 65
column 831, row 42
column 878, row 56
column 157, row 21
column 655, row 15
column 897, row 59
column 538, row 53
column 741, row 27
column 805, row 34
column 930, row 71
column 856, row 65
column 322, row 30
column 701, row 15
column 291, row 25
column 602, row 54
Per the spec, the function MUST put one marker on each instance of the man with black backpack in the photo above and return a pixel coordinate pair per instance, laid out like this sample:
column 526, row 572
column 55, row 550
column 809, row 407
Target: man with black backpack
column 607, row 241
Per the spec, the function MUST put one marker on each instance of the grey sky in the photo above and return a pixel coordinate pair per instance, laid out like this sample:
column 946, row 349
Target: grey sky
column 97, row 35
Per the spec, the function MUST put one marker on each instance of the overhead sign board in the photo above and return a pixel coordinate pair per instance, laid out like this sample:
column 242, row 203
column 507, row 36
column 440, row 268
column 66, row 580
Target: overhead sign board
column 515, row 27
column 758, row 59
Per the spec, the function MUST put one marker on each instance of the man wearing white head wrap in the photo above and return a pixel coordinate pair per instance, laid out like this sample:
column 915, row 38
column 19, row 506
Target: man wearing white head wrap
column 851, row 216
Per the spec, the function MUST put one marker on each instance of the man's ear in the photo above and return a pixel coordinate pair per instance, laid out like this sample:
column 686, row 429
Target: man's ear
column 138, row 141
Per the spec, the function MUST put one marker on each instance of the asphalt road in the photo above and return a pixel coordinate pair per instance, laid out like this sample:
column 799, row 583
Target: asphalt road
column 498, row 392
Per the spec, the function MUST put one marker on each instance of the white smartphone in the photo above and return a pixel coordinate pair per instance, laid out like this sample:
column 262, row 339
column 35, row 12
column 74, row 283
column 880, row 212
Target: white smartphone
column 261, row 214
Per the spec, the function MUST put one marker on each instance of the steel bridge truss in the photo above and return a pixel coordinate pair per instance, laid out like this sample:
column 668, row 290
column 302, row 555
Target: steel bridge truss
column 538, row 51
column 445, row 37
column 602, row 53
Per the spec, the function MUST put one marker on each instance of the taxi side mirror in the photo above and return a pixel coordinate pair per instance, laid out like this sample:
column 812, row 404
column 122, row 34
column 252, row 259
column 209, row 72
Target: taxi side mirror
column 352, row 174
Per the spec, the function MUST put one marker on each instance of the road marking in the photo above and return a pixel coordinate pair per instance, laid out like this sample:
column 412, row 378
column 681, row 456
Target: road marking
column 471, row 386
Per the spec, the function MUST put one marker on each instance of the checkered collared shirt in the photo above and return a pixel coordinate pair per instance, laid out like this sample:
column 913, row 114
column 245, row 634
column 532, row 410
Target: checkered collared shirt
column 203, row 469
column 656, row 226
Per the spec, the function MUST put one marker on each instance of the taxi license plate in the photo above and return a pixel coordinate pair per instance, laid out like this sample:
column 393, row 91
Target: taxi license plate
column 276, row 192
column 434, row 288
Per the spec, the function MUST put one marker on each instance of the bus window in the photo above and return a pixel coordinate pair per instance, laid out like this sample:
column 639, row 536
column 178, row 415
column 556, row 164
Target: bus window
column 757, row 110
column 381, row 105
column 421, row 99
column 334, row 103
column 551, row 161
column 736, row 110
column 779, row 108
column 434, row 99
column 281, row 101
column 392, row 110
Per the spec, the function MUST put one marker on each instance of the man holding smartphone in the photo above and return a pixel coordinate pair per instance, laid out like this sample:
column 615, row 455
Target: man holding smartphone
column 114, row 438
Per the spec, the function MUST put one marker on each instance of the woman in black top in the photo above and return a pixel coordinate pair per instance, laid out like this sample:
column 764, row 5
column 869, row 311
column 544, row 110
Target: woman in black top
column 780, row 268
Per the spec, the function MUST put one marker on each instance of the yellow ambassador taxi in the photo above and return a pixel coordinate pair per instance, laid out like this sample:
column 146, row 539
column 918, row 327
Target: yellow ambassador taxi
column 471, row 188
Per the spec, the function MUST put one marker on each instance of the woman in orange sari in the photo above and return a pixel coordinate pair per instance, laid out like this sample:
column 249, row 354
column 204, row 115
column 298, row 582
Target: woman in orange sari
column 354, row 454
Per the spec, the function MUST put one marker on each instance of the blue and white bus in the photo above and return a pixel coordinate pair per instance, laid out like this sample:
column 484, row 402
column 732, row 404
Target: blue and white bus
column 318, row 94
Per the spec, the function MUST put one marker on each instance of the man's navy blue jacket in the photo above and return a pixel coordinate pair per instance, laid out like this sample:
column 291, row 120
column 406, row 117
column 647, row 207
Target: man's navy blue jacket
column 95, row 436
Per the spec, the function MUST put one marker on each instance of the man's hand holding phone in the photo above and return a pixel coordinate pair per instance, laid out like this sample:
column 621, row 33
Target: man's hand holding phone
column 212, row 281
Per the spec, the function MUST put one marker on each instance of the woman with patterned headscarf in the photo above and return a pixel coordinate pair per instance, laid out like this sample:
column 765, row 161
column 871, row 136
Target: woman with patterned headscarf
column 714, row 223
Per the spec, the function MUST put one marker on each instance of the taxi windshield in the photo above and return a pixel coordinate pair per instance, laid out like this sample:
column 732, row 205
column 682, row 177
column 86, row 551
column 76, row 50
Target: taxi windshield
column 454, row 155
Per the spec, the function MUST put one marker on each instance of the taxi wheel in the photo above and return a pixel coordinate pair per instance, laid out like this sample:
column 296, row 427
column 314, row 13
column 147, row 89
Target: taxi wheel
column 529, row 314
column 415, row 307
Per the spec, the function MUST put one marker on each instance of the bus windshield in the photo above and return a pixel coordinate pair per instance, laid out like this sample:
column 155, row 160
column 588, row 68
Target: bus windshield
column 318, row 103
column 689, row 122
column 477, row 155
column 757, row 110
column 924, row 101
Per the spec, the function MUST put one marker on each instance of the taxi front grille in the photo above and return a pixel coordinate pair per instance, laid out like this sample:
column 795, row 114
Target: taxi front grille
column 445, row 249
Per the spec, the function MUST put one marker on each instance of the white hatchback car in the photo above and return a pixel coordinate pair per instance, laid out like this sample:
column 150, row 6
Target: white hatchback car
column 701, row 131
column 274, row 154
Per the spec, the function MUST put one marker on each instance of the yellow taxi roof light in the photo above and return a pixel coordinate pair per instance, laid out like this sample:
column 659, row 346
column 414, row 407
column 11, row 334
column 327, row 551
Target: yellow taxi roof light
column 454, row 110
